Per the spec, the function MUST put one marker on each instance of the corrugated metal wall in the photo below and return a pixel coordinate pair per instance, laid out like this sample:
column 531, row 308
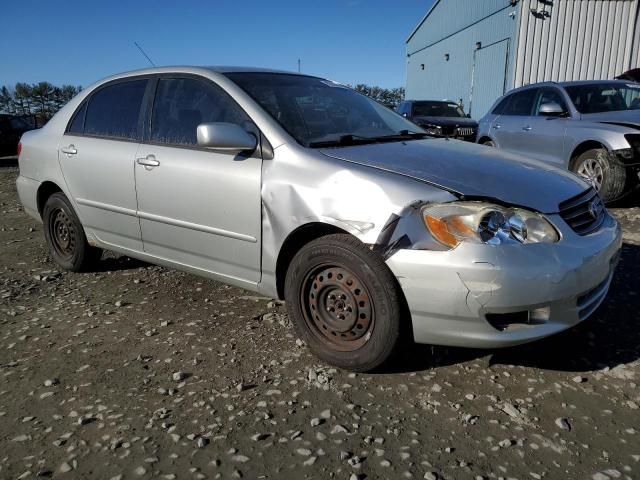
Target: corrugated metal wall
column 575, row 40
column 453, row 28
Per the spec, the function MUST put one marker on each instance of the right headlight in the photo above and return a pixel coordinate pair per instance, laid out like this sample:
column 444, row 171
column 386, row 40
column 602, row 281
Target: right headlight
column 432, row 129
column 479, row 222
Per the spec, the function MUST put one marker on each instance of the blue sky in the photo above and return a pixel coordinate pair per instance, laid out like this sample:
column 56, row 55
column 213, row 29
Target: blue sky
column 78, row 42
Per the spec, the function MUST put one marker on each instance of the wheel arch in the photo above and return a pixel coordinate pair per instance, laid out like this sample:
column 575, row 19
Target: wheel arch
column 45, row 190
column 583, row 147
column 294, row 242
column 485, row 138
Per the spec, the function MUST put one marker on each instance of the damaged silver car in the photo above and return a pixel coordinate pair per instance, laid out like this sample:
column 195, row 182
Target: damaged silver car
column 300, row 188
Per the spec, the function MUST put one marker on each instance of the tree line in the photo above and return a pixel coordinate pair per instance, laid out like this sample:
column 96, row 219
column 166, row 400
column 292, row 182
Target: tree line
column 40, row 100
column 389, row 97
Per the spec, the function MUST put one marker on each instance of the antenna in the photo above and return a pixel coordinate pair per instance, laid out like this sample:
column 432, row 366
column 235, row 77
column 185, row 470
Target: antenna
column 298, row 65
column 144, row 53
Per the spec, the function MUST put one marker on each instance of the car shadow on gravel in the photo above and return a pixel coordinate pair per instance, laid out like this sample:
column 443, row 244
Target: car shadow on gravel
column 609, row 338
column 119, row 263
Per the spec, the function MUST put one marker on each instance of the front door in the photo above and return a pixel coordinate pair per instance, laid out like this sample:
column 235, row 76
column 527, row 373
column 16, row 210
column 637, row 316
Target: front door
column 544, row 138
column 97, row 154
column 198, row 207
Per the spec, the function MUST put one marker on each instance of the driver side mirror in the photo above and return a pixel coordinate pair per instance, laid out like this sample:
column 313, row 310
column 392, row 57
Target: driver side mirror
column 551, row 109
column 225, row 136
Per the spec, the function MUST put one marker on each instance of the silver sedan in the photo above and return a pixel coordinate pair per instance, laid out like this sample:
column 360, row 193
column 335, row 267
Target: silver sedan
column 300, row 188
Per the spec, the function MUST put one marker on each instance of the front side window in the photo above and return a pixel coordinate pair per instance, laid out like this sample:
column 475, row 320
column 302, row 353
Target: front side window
column 605, row 97
column 316, row 111
column 550, row 95
column 521, row 103
column 437, row 109
column 181, row 104
column 113, row 111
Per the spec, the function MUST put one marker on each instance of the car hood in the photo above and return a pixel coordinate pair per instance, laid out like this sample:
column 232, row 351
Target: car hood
column 446, row 121
column 469, row 170
column 625, row 118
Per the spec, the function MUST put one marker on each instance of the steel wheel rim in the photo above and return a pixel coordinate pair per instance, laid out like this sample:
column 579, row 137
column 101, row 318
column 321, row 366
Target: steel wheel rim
column 62, row 233
column 337, row 307
column 591, row 171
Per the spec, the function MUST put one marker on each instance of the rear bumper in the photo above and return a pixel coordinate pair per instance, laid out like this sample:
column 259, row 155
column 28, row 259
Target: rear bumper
column 28, row 193
column 451, row 293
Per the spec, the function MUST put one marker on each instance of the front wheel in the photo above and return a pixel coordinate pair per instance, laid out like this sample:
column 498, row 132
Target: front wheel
column 604, row 173
column 65, row 235
column 344, row 303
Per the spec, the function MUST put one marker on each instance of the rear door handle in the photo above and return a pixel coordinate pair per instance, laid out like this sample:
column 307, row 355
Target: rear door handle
column 527, row 128
column 69, row 150
column 148, row 161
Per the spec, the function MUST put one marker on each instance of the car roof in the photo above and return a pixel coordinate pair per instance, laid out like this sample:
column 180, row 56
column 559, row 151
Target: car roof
column 569, row 84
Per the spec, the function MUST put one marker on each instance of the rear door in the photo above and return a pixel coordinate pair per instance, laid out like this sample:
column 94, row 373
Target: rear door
column 97, row 154
column 198, row 207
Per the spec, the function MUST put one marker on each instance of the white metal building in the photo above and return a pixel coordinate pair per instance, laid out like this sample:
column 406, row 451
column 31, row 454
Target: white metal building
column 475, row 50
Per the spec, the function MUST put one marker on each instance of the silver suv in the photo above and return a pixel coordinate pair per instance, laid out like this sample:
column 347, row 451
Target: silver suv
column 589, row 127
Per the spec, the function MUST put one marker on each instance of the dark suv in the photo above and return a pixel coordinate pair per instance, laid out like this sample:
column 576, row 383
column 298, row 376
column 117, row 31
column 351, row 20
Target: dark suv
column 440, row 118
column 11, row 129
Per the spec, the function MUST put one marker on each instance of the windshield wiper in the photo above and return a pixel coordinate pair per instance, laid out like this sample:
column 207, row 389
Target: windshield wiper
column 344, row 140
column 403, row 135
column 350, row 139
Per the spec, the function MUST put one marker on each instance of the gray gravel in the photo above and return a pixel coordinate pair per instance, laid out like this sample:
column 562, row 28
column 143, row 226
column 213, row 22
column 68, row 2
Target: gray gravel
column 136, row 371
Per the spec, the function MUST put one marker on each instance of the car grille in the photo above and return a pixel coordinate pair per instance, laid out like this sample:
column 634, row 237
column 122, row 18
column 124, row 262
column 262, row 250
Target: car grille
column 465, row 131
column 584, row 213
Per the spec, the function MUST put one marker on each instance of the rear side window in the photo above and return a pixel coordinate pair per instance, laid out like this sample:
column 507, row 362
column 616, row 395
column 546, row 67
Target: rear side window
column 521, row 103
column 77, row 124
column 113, row 111
column 181, row 104
column 501, row 106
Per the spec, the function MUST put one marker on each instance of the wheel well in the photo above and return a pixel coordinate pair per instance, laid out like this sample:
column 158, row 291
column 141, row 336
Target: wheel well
column 292, row 245
column 44, row 192
column 584, row 147
column 485, row 139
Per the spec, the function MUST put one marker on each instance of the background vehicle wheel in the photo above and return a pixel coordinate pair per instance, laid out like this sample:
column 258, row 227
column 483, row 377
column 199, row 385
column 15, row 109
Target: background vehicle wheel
column 604, row 173
column 488, row 143
column 344, row 303
column 65, row 235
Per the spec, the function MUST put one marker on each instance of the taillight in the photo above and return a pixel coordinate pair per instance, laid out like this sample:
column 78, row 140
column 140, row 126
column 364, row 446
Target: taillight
column 19, row 148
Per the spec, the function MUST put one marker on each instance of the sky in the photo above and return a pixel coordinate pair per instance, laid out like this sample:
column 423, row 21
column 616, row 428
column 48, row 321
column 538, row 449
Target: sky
column 79, row 42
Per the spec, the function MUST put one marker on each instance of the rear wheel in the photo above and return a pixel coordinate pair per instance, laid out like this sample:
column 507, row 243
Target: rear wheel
column 605, row 174
column 65, row 235
column 344, row 302
column 488, row 143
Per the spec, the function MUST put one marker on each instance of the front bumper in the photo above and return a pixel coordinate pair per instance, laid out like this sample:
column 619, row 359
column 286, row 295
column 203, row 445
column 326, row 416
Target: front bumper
column 450, row 293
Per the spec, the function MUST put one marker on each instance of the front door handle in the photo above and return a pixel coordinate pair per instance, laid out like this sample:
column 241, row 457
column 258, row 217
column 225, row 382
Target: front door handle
column 527, row 128
column 497, row 126
column 69, row 150
column 148, row 161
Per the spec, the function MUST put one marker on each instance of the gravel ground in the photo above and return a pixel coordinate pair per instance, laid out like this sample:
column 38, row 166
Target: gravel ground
column 136, row 371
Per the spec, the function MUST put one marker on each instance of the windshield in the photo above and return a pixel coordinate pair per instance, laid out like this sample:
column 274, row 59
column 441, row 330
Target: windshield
column 605, row 97
column 319, row 112
column 437, row 109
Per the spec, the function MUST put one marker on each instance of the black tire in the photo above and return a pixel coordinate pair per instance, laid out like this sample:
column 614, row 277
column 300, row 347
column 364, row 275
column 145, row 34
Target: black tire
column 335, row 276
column 488, row 143
column 65, row 235
column 605, row 173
